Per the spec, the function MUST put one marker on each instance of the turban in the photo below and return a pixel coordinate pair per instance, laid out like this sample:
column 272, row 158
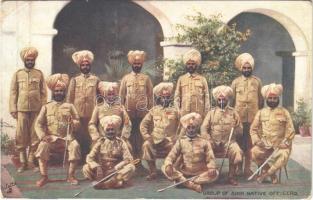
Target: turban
column 222, row 90
column 136, row 55
column 193, row 55
column 57, row 81
column 104, row 87
column 243, row 59
column 271, row 89
column 162, row 87
column 191, row 118
column 28, row 52
column 112, row 121
column 84, row 55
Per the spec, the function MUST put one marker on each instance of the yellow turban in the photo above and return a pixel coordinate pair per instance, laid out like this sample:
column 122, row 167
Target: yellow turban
column 136, row 55
column 57, row 81
column 28, row 52
column 272, row 89
column 191, row 118
column 112, row 121
column 164, row 86
column 84, row 55
column 222, row 90
column 193, row 55
column 243, row 59
column 104, row 87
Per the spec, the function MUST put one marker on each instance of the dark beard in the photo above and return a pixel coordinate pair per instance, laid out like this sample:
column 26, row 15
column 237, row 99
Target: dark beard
column 247, row 73
column 136, row 69
column 29, row 65
column 59, row 97
column 191, row 70
column 272, row 104
column 85, row 71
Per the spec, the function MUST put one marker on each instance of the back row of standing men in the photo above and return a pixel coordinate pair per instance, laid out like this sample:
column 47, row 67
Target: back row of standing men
column 128, row 112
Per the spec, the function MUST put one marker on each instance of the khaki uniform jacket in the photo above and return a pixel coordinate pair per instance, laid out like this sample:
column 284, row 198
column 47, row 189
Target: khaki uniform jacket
column 53, row 119
column 82, row 92
column 217, row 125
column 192, row 94
column 247, row 97
column 104, row 109
column 160, row 123
column 108, row 153
column 136, row 93
column 272, row 126
column 197, row 155
column 28, row 91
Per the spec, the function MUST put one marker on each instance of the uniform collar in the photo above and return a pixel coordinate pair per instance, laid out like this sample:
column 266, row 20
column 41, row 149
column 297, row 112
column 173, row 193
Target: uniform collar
column 192, row 75
column 135, row 74
column 86, row 75
column 28, row 70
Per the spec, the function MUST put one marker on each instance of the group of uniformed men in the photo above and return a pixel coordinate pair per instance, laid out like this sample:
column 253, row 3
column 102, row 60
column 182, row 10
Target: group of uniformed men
column 106, row 124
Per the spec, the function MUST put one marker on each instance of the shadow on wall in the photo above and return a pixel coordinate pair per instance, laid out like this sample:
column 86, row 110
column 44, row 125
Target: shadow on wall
column 105, row 28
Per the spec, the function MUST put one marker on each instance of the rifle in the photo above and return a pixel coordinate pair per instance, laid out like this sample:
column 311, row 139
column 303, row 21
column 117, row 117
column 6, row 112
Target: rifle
column 105, row 178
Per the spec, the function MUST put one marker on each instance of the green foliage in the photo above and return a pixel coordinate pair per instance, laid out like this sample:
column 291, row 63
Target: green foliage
column 118, row 66
column 7, row 144
column 219, row 45
column 302, row 116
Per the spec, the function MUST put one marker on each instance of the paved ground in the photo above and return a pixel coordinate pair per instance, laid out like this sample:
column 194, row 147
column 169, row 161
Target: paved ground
column 298, row 185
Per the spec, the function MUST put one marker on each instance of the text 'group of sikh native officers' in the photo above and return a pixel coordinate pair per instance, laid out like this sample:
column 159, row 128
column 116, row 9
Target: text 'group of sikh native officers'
column 107, row 125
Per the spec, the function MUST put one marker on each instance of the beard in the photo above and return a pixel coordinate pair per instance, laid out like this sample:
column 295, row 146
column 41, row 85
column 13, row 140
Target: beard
column 59, row 97
column 85, row 70
column 247, row 73
column 272, row 104
column 136, row 69
column 191, row 70
column 29, row 65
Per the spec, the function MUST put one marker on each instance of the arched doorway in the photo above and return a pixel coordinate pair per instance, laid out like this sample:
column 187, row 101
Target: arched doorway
column 272, row 47
column 108, row 28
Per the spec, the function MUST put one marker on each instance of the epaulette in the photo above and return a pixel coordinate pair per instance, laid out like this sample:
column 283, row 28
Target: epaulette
column 257, row 78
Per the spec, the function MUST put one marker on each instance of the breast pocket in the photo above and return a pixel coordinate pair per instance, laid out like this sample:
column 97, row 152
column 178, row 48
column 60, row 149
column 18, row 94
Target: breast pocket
column 21, row 83
column 50, row 117
column 199, row 87
column 240, row 95
column 34, row 84
column 79, row 88
column 253, row 93
column 142, row 87
column 184, row 88
column 129, row 86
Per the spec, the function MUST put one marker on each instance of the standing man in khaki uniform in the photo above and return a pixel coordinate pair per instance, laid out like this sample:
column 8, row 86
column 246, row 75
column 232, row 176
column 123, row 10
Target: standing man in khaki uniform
column 82, row 93
column 111, row 106
column 55, row 124
column 247, row 101
column 108, row 154
column 272, row 130
column 28, row 93
column 136, row 93
column 197, row 156
column 217, row 127
column 192, row 93
column 159, row 127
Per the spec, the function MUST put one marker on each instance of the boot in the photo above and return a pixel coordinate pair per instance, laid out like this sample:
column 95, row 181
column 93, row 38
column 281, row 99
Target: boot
column 261, row 178
column 71, row 173
column 23, row 162
column 193, row 186
column 152, row 170
column 239, row 170
column 274, row 179
column 231, row 174
column 44, row 173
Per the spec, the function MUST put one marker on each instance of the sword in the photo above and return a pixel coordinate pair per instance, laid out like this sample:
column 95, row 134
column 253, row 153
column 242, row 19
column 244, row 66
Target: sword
column 66, row 140
column 175, row 184
column 230, row 136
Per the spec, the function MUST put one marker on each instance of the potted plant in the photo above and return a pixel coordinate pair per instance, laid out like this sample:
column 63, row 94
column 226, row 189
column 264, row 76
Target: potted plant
column 301, row 118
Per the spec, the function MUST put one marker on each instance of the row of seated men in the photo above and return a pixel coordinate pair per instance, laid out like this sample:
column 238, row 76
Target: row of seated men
column 187, row 153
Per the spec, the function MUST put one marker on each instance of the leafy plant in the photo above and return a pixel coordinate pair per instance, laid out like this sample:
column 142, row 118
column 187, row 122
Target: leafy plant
column 302, row 116
column 219, row 45
column 118, row 66
column 7, row 144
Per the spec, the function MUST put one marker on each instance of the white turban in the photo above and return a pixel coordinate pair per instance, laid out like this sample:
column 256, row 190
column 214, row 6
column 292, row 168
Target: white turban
column 84, row 55
column 136, row 55
column 222, row 90
column 193, row 55
column 243, row 59
column 271, row 89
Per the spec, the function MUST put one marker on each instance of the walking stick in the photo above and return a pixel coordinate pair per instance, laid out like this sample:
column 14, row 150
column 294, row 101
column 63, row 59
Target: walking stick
column 230, row 136
column 105, row 178
column 66, row 140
